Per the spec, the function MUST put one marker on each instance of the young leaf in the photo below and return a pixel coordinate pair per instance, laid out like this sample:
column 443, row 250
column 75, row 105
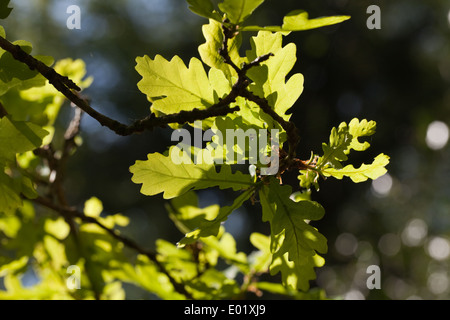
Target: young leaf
column 211, row 227
column 204, row 8
column 270, row 78
column 262, row 258
column 4, row 10
column 209, row 51
column 367, row 171
column 17, row 137
column 186, row 214
column 41, row 105
column 15, row 74
column 297, row 20
column 359, row 129
column 9, row 195
column 160, row 174
column 344, row 139
column 173, row 87
column 294, row 242
column 239, row 10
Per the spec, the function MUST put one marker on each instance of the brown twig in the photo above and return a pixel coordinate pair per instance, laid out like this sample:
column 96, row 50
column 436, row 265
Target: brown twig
column 34, row 64
column 291, row 130
column 243, row 82
column 66, row 86
column 72, row 213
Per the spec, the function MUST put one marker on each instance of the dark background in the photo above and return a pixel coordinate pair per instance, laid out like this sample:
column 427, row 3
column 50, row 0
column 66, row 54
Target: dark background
column 398, row 76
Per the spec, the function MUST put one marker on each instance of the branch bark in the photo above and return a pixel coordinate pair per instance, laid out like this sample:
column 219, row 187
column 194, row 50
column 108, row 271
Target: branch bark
column 67, row 87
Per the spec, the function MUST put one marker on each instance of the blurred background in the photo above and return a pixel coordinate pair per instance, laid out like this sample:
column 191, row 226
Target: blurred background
column 398, row 76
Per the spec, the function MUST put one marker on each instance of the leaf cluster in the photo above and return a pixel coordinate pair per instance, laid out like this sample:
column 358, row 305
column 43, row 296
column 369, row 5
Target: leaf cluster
column 227, row 90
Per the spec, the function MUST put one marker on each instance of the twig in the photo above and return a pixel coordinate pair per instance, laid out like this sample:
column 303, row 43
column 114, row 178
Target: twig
column 57, row 165
column 73, row 213
column 35, row 64
column 291, row 130
column 69, row 144
column 65, row 86
column 243, row 82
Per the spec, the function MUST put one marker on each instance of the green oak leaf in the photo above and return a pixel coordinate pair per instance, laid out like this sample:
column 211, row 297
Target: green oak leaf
column 342, row 140
column 4, row 10
column 366, row 171
column 15, row 74
column 238, row 11
column 9, row 194
column 180, row 263
column 359, row 129
column 270, row 79
column 345, row 138
column 18, row 137
column 298, row 20
column 209, row 51
column 204, row 8
column 213, row 285
column 172, row 87
column 294, row 242
column 160, row 173
column 186, row 214
column 211, row 227
column 262, row 258
column 41, row 105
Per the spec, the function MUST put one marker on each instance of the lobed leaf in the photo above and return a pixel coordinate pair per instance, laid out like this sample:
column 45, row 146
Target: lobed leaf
column 366, row 171
column 211, row 227
column 238, row 11
column 4, row 9
column 298, row 20
column 159, row 174
column 343, row 139
column 270, row 78
column 209, row 51
column 204, row 8
column 15, row 74
column 17, row 137
column 172, row 87
column 9, row 194
column 294, row 243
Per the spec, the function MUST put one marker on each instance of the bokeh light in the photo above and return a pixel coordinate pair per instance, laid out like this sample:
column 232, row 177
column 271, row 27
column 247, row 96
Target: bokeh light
column 437, row 135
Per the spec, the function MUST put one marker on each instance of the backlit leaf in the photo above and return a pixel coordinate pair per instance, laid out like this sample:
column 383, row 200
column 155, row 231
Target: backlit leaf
column 209, row 51
column 204, row 8
column 270, row 79
column 239, row 10
column 172, row 87
column 17, row 137
column 15, row 74
column 294, row 243
column 4, row 10
column 211, row 227
column 298, row 20
column 366, row 171
column 160, row 173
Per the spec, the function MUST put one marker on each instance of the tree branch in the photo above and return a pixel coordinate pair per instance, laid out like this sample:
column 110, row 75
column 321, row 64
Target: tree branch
column 72, row 213
column 65, row 86
column 291, row 130
column 243, row 82
column 34, row 64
